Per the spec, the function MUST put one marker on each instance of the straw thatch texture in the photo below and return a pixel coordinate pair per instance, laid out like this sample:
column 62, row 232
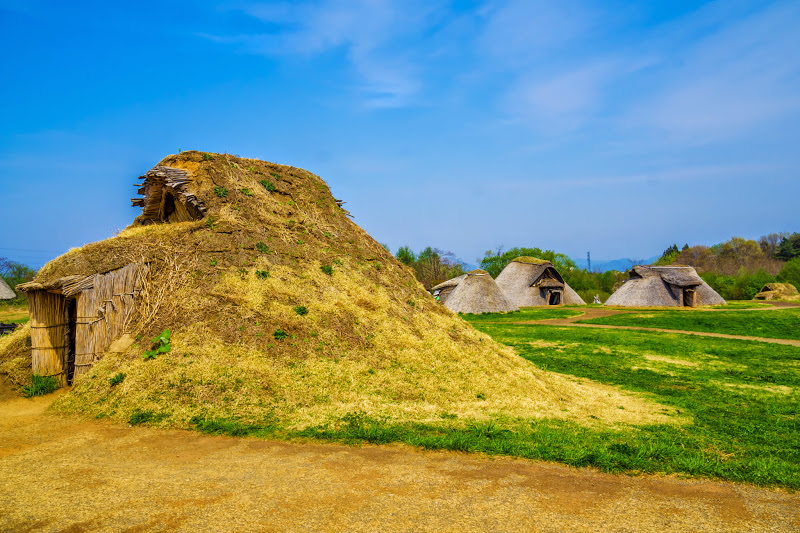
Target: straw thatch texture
column 167, row 197
column 664, row 286
column 478, row 293
column 528, row 282
column 446, row 288
column 5, row 291
column 49, row 334
column 67, row 343
column 778, row 291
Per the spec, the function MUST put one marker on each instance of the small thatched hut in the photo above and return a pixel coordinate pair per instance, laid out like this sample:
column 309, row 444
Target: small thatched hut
column 5, row 291
column 476, row 293
column 529, row 281
column 664, row 286
column 443, row 290
column 778, row 291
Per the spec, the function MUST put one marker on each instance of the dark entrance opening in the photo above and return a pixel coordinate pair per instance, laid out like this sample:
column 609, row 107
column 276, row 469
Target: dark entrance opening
column 72, row 326
column 554, row 298
column 688, row 297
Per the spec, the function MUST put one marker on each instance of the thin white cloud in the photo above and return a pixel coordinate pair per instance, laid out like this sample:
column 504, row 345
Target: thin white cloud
column 741, row 76
column 378, row 37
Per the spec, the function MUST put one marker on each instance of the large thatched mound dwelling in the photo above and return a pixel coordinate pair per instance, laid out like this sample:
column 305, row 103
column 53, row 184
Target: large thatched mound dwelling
column 281, row 312
column 476, row 292
column 529, row 281
column 778, row 291
column 5, row 291
column 664, row 286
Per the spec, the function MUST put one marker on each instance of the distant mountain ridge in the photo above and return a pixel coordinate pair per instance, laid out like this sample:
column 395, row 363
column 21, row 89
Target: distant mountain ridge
column 615, row 264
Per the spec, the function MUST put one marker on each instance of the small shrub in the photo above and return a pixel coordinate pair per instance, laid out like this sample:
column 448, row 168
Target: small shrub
column 246, row 192
column 41, row 385
column 480, row 396
column 213, row 262
column 280, row 334
column 160, row 345
column 261, row 247
column 412, row 303
column 210, row 222
column 222, row 192
column 143, row 417
column 263, row 274
column 301, row 310
column 117, row 379
column 275, row 175
column 328, row 269
column 208, row 157
column 268, row 185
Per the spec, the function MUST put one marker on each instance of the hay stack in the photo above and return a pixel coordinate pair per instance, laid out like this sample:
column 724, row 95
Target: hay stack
column 5, row 291
column 529, row 281
column 778, row 291
column 664, row 286
column 477, row 293
column 282, row 311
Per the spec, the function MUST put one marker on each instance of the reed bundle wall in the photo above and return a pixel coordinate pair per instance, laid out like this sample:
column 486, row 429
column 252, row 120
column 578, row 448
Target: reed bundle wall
column 104, row 305
column 49, row 334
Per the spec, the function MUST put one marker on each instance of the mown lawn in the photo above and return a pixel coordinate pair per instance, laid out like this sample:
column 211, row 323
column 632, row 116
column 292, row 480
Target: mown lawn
column 769, row 323
column 742, row 396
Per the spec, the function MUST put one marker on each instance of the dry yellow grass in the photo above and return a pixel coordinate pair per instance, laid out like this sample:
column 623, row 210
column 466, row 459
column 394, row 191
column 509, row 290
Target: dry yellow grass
column 372, row 341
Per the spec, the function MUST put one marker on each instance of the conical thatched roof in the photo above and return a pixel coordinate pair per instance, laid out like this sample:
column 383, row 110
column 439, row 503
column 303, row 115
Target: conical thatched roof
column 478, row 293
column 281, row 311
column 526, row 281
column 663, row 286
column 5, row 291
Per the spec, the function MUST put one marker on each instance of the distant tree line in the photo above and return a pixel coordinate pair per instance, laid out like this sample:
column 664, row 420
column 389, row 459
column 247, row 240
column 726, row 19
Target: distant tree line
column 13, row 274
column 737, row 269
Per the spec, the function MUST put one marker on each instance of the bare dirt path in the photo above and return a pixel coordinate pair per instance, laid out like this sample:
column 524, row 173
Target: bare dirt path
column 595, row 312
column 62, row 474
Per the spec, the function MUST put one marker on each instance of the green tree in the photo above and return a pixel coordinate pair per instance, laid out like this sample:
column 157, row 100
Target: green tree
column 668, row 256
column 406, row 256
column 790, row 273
column 13, row 274
column 789, row 247
column 495, row 262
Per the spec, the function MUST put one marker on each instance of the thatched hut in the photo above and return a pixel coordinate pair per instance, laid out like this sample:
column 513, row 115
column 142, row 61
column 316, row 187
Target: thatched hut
column 476, row 293
column 664, row 286
column 778, row 291
column 529, row 281
column 5, row 291
column 82, row 303
column 443, row 290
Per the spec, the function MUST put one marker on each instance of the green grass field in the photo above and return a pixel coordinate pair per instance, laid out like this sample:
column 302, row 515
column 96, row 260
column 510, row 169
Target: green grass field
column 741, row 398
column 771, row 324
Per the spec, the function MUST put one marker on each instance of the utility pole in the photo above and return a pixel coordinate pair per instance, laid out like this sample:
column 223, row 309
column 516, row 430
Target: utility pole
column 589, row 261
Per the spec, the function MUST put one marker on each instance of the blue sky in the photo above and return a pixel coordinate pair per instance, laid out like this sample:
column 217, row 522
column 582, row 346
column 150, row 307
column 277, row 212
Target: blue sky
column 612, row 127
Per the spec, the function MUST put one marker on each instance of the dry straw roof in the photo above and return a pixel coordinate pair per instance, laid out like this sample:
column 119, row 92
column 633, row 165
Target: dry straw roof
column 478, row 293
column 283, row 311
column 663, row 286
column 5, row 291
column 526, row 279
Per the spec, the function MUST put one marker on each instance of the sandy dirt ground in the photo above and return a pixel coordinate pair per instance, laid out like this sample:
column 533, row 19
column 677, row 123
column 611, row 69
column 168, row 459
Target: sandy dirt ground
column 71, row 475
